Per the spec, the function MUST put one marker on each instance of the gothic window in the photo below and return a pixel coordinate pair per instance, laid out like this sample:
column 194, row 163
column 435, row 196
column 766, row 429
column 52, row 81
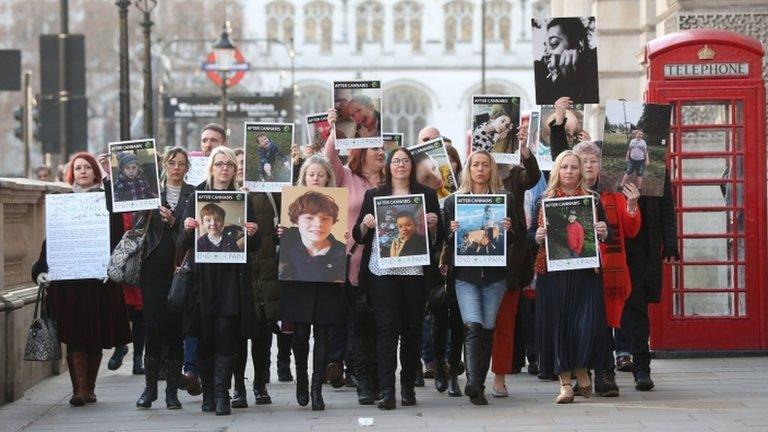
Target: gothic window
column 312, row 99
column 369, row 23
column 458, row 22
column 408, row 23
column 498, row 16
column 406, row 111
column 280, row 21
column 318, row 26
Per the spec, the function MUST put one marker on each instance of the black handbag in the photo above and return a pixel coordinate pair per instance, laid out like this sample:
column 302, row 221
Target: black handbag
column 181, row 286
column 42, row 336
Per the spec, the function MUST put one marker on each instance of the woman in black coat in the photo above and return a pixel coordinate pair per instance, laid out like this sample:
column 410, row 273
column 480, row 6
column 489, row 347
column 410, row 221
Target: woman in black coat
column 222, row 309
column 315, row 305
column 397, row 295
column 163, row 327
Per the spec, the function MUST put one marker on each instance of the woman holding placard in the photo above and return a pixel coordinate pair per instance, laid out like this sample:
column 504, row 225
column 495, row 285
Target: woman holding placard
column 397, row 294
column 364, row 171
column 223, row 309
column 163, row 327
column 479, row 290
column 313, row 306
column 90, row 314
column 570, row 312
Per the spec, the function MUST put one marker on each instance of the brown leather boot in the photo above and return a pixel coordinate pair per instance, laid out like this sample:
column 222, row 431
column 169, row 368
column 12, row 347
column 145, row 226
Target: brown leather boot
column 94, row 362
column 79, row 374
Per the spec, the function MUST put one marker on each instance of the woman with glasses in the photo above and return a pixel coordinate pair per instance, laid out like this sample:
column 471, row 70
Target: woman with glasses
column 223, row 308
column 397, row 295
column 163, row 327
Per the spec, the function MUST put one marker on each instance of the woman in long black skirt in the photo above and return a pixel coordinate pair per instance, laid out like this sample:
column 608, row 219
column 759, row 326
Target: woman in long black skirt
column 570, row 312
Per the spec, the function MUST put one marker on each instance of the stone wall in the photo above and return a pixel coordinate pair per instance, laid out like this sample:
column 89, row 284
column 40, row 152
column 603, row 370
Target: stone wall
column 22, row 231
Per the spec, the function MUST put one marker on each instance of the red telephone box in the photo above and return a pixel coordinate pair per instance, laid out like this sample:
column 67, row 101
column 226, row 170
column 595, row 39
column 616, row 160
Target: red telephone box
column 715, row 297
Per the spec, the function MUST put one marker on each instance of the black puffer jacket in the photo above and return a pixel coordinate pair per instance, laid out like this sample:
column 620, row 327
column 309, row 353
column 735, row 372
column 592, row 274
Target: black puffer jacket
column 266, row 291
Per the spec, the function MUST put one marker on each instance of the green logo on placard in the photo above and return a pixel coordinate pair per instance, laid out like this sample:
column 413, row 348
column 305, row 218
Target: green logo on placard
column 148, row 144
column 238, row 197
column 586, row 201
column 498, row 200
column 287, row 128
column 417, row 200
column 375, row 84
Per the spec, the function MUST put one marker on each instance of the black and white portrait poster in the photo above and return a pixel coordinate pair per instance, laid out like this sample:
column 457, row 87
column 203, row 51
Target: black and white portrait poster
column 571, row 240
column 494, row 120
column 433, row 167
column 77, row 235
column 220, row 235
column 635, row 137
column 392, row 141
column 313, row 246
column 565, row 59
column 480, row 240
column 135, row 184
column 401, row 231
column 358, row 105
column 268, row 166
column 318, row 131
column 574, row 125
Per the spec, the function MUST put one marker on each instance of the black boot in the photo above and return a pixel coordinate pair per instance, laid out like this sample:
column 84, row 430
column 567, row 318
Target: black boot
column 206, row 380
column 418, row 380
column 365, row 381
column 150, row 391
column 172, row 380
column 302, row 387
column 117, row 357
column 473, row 353
column 407, row 395
column 222, row 378
column 486, row 345
column 387, row 401
column 138, row 366
column 643, row 381
column 318, row 404
column 454, row 389
column 605, row 383
column 284, row 371
column 260, row 388
column 239, row 398
column 441, row 380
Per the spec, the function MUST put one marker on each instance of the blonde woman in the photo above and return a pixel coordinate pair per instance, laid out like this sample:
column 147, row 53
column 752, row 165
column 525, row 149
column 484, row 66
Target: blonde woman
column 570, row 312
column 479, row 291
column 223, row 310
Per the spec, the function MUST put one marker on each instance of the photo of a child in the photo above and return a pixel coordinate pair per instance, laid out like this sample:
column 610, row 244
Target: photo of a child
column 408, row 241
column 574, row 235
column 214, row 238
column 308, row 249
column 130, row 184
column 637, row 157
column 268, row 164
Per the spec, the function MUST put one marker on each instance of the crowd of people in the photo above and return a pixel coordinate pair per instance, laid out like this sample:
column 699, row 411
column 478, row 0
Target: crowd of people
column 566, row 325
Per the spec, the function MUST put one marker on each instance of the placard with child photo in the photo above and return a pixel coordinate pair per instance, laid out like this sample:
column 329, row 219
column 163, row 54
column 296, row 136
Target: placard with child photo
column 571, row 240
column 313, row 239
column 135, row 184
column 268, row 166
column 220, row 236
column 401, row 231
column 495, row 120
column 358, row 105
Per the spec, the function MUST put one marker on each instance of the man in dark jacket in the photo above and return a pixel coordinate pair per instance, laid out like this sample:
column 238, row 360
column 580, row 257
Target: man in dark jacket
column 655, row 243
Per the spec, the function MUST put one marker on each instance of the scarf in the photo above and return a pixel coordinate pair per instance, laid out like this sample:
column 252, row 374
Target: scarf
column 540, row 265
column 79, row 189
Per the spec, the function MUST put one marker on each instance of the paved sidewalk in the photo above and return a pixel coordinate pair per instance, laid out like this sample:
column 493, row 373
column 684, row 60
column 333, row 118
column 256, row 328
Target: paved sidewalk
column 717, row 395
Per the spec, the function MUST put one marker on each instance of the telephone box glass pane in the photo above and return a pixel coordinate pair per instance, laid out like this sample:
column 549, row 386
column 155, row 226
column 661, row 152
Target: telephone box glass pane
column 705, row 222
column 707, row 168
column 711, row 140
column 711, row 249
column 704, row 196
column 706, row 113
column 708, row 276
column 709, row 304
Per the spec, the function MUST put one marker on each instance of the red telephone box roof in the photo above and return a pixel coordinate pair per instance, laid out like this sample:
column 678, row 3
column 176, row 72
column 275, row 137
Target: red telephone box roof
column 672, row 41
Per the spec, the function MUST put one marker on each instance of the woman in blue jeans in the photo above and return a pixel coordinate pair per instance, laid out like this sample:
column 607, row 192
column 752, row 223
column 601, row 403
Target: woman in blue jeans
column 479, row 290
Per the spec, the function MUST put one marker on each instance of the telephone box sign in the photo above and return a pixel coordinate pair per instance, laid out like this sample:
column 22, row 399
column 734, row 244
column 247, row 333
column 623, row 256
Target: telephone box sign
column 706, row 70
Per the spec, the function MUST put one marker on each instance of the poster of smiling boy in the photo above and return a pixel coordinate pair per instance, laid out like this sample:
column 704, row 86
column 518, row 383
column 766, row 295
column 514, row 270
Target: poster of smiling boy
column 220, row 235
column 313, row 240
column 135, row 184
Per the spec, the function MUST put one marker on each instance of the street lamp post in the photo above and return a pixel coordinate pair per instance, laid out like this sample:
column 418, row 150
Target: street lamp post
column 125, row 101
column 224, row 50
column 146, row 6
